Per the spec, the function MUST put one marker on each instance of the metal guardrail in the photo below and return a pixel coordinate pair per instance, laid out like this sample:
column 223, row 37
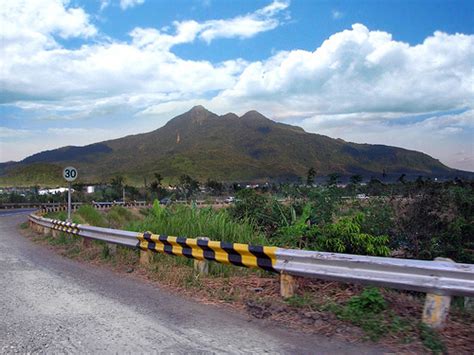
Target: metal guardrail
column 103, row 205
column 75, row 205
column 437, row 277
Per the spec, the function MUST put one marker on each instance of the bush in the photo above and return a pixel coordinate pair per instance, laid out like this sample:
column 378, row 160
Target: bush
column 118, row 216
column 91, row 216
column 344, row 236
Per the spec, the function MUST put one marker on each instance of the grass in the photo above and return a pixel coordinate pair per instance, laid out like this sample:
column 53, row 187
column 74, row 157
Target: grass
column 91, row 216
column 193, row 222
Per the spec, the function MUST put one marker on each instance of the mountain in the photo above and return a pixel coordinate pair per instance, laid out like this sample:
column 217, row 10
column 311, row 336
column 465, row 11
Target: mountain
column 227, row 148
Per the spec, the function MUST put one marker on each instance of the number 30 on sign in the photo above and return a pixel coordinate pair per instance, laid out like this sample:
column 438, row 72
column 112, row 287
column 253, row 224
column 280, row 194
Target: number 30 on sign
column 70, row 173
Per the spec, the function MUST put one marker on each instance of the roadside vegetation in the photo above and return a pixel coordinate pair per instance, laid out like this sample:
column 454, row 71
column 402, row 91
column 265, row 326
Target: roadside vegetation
column 420, row 219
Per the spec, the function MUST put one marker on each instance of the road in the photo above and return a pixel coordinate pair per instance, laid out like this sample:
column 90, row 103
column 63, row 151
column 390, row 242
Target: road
column 51, row 304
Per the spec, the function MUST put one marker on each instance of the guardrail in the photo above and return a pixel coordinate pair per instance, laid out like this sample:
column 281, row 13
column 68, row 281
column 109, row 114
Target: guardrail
column 440, row 279
column 57, row 206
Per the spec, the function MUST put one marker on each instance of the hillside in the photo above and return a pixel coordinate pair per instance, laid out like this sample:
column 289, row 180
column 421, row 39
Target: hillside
column 228, row 148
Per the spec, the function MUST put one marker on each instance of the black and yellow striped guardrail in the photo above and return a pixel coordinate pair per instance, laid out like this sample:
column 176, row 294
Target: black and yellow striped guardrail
column 251, row 256
column 68, row 227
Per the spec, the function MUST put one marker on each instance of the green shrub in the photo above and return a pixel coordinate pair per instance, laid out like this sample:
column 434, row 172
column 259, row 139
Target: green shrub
column 91, row 216
column 344, row 236
column 365, row 311
column 118, row 216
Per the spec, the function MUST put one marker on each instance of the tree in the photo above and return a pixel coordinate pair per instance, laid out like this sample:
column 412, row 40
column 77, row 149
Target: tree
column 310, row 176
column 333, row 179
column 156, row 188
column 401, row 179
column 117, row 186
column 214, row 187
column 187, row 185
column 356, row 179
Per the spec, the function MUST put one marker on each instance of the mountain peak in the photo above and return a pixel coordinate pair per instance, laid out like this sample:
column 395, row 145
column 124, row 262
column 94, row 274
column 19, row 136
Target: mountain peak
column 199, row 108
column 197, row 114
column 254, row 115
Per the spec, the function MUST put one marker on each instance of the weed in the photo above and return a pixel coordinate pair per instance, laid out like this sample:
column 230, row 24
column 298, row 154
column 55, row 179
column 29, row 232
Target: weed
column 91, row 215
column 24, row 225
column 301, row 301
column 63, row 239
column 105, row 252
column 365, row 311
column 431, row 340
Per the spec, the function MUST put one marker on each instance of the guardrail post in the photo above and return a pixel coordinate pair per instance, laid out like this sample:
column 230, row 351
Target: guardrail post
column 112, row 248
column 201, row 267
column 86, row 242
column 55, row 233
column 46, row 231
column 287, row 285
column 436, row 307
column 145, row 257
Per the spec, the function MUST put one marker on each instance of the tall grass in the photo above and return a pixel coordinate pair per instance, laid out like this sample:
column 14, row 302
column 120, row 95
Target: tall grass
column 192, row 222
column 118, row 216
column 91, row 216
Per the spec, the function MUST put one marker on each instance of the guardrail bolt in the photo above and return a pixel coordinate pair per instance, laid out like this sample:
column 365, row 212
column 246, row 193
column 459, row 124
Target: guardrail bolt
column 288, row 285
column 436, row 307
column 201, row 267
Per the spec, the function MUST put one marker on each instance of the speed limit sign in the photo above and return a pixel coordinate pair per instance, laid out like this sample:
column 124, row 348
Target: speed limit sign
column 70, row 173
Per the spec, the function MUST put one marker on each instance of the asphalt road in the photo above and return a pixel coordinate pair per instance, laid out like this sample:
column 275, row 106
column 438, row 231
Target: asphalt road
column 51, row 304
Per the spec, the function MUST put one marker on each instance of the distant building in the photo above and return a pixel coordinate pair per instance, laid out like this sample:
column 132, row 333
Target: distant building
column 58, row 190
column 90, row 189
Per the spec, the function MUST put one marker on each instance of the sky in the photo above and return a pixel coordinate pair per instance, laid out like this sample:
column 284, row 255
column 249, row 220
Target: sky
column 384, row 72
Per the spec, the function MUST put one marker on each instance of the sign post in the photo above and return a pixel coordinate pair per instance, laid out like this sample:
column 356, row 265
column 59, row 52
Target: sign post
column 69, row 174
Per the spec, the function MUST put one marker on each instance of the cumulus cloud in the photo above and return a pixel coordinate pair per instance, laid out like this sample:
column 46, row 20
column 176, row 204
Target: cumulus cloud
column 359, row 70
column 245, row 26
column 358, row 80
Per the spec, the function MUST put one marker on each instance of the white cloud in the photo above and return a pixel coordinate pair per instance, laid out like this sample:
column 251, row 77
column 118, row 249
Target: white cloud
column 126, row 4
column 359, row 70
column 6, row 132
column 104, row 4
column 246, row 26
column 358, row 80
column 39, row 20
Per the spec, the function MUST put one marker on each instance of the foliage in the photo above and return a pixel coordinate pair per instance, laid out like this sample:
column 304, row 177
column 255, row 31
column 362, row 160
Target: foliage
column 266, row 213
column 310, row 176
column 364, row 310
column 431, row 339
column 343, row 236
column 438, row 222
column 214, row 187
column 118, row 216
column 91, row 216
column 192, row 222
column 333, row 179
column 187, row 186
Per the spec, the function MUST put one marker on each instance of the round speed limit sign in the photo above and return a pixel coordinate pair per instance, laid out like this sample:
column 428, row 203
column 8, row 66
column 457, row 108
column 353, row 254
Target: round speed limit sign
column 70, row 173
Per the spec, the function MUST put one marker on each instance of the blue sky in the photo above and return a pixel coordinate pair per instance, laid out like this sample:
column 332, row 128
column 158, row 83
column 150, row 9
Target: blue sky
column 391, row 72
